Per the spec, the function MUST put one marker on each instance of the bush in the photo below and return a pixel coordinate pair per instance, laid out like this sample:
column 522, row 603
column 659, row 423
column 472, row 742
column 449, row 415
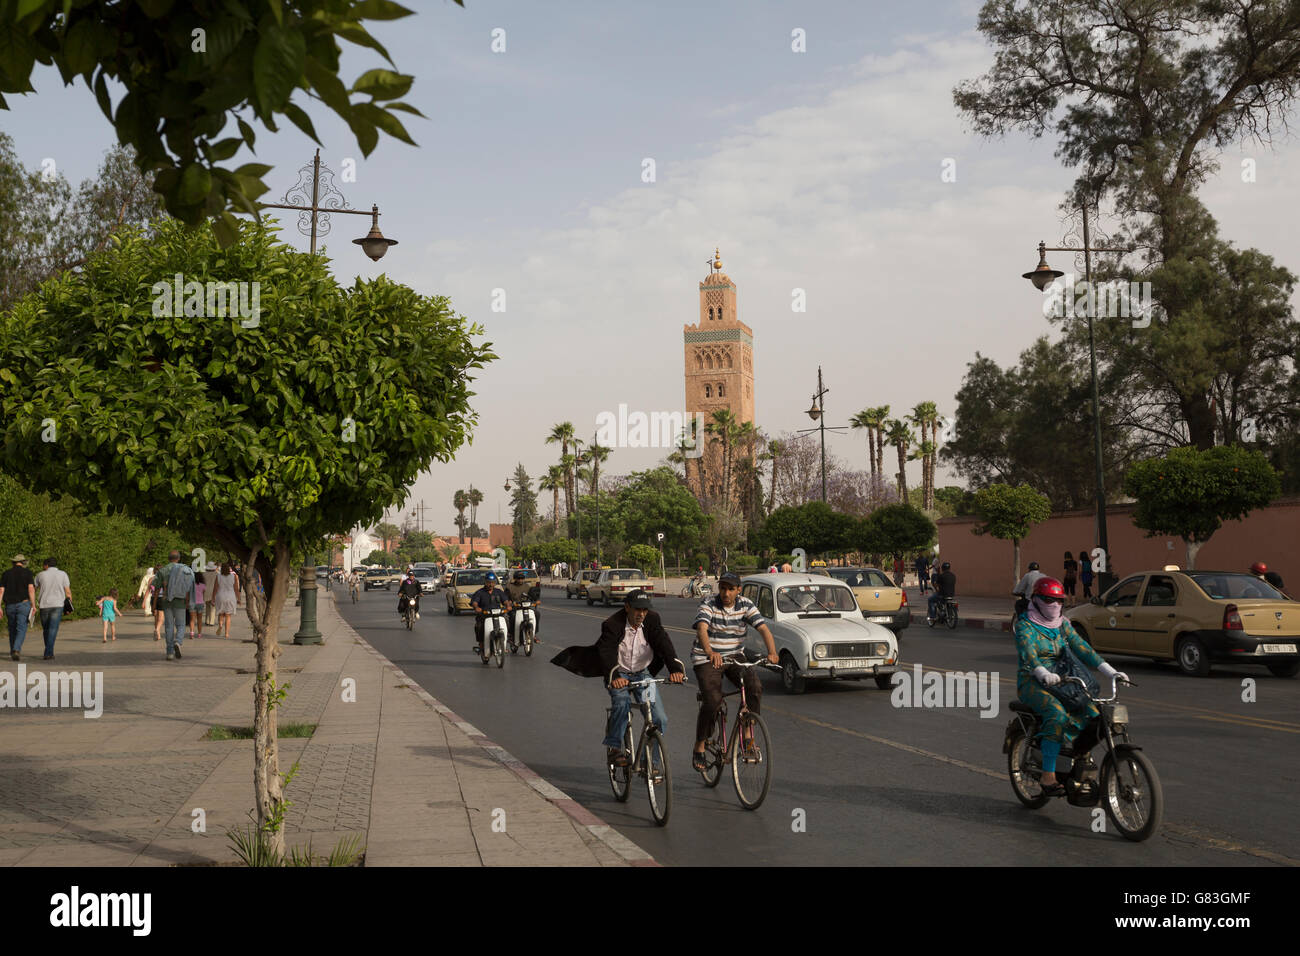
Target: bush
column 642, row 556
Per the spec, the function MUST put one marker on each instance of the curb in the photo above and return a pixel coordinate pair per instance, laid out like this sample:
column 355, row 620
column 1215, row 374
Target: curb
column 621, row 846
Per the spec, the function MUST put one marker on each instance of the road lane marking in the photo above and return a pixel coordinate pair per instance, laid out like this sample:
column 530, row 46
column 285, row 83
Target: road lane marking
column 1246, row 722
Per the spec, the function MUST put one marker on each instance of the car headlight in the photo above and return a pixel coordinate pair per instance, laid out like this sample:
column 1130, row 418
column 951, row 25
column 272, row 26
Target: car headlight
column 819, row 651
column 879, row 650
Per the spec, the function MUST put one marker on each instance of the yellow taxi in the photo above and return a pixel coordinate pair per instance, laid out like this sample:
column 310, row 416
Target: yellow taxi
column 1196, row 618
column 464, row 582
column 881, row 601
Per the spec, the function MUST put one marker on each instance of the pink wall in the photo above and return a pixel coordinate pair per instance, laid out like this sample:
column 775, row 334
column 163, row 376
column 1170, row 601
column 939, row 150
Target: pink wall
column 984, row 565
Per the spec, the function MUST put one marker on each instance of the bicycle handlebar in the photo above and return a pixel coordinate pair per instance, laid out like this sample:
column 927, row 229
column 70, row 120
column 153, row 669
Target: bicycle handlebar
column 653, row 680
column 1100, row 700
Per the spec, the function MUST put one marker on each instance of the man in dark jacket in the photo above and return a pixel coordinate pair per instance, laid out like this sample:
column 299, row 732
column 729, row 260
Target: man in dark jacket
column 633, row 646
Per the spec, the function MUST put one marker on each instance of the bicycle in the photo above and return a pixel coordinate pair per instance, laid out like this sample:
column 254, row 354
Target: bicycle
column 646, row 763
column 946, row 614
column 751, row 766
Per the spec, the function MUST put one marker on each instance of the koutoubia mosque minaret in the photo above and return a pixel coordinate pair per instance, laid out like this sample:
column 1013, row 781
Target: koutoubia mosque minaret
column 719, row 368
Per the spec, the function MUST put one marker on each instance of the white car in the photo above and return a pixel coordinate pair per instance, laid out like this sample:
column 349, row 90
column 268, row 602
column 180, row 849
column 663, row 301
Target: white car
column 427, row 579
column 819, row 630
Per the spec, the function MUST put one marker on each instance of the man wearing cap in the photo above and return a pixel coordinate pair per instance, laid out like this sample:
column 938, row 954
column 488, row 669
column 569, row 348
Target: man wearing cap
column 719, row 634
column 633, row 646
column 17, row 598
column 1025, row 588
column 487, row 598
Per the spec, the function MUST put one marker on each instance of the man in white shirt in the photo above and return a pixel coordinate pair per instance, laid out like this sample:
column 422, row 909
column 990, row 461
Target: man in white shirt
column 1025, row 588
column 53, row 586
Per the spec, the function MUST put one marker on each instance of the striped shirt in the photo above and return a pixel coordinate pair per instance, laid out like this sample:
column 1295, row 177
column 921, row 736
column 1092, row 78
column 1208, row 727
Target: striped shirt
column 726, row 626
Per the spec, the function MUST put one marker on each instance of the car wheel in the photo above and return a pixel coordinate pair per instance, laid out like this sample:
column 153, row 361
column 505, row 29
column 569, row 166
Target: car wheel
column 1192, row 658
column 590, row 602
column 1284, row 668
column 885, row 681
column 790, row 679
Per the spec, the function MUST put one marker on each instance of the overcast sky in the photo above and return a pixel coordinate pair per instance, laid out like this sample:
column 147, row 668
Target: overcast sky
column 817, row 170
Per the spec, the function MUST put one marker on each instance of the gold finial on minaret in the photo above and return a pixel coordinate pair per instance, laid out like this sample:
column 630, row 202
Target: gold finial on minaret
column 717, row 260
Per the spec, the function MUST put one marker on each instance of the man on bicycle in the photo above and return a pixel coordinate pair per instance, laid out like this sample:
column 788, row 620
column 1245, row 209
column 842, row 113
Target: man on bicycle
column 633, row 646
column 719, row 635
column 485, row 599
column 409, row 589
column 354, row 584
column 945, row 586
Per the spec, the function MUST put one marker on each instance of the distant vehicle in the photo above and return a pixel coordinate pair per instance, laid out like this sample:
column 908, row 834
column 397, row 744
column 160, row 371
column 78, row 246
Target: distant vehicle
column 428, row 580
column 819, row 631
column 577, row 585
column 881, row 600
column 322, row 570
column 485, row 563
column 375, row 579
column 612, row 585
column 464, row 582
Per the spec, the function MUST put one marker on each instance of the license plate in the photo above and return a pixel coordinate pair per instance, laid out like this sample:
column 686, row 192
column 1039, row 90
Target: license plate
column 881, row 620
column 846, row 663
column 1279, row 648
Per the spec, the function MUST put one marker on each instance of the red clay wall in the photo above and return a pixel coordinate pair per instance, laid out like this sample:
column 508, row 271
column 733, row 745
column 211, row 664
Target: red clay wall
column 984, row 565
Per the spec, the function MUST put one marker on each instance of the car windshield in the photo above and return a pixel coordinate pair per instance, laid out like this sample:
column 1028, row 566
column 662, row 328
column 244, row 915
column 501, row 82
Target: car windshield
column 1228, row 586
column 424, row 572
column 633, row 575
column 376, row 574
column 475, row 578
column 797, row 598
column 861, row 578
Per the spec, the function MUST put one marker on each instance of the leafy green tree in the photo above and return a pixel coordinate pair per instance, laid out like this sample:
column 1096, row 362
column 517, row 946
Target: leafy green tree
column 1190, row 493
column 894, row 529
column 1032, row 424
column 1142, row 97
column 954, row 501
column 656, row 501
column 523, row 503
column 642, row 556
column 381, row 558
column 416, row 541
column 815, row 527
column 1008, row 513
column 267, row 437
column 46, row 228
column 387, row 533
column 190, row 69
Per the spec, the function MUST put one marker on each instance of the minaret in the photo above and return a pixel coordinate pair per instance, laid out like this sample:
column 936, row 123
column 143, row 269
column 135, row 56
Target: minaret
column 719, row 370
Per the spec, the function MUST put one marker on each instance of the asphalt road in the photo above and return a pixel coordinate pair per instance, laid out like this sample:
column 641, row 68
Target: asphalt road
column 875, row 784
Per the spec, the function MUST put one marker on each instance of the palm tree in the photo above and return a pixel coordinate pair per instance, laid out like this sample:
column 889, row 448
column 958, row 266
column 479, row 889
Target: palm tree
column 776, row 449
column 723, row 428
column 595, row 455
column 864, row 419
column 900, row 436
column 925, row 415
column 553, row 482
column 475, row 499
column 387, row 532
column 879, row 415
column 460, row 501
column 563, row 433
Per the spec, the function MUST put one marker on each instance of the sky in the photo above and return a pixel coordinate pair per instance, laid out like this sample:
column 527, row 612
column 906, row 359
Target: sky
column 819, row 170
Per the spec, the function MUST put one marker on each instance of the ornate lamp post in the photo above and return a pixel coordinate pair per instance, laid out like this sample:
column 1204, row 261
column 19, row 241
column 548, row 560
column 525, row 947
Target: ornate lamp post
column 1043, row 276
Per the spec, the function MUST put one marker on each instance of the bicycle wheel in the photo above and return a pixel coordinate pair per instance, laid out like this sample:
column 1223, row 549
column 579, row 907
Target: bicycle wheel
column 1131, row 794
column 952, row 617
column 658, row 778
column 751, row 768
column 618, row 776
column 714, row 750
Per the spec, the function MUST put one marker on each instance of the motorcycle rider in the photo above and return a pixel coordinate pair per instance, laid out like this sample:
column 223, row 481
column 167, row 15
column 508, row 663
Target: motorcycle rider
column 1025, row 588
column 945, row 586
column 409, row 589
column 1041, row 636
column 517, row 589
column 487, row 598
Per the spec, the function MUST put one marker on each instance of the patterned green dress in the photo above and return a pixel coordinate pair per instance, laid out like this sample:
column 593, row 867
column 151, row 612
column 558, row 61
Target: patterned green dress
column 1042, row 645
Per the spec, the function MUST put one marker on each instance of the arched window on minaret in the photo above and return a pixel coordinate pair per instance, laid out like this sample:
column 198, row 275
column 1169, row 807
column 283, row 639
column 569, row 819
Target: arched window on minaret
column 708, row 362
column 708, row 391
column 728, row 360
column 722, row 392
column 699, row 362
column 710, row 313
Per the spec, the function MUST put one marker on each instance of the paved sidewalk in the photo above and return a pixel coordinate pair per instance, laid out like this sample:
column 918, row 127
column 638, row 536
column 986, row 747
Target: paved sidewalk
column 395, row 767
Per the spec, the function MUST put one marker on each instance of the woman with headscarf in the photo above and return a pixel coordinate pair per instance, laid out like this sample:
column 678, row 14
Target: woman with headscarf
column 1042, row 634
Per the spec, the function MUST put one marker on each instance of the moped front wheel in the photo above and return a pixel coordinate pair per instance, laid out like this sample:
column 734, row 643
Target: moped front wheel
column 500, row 650
column 1131, row 794
column 1025, row 768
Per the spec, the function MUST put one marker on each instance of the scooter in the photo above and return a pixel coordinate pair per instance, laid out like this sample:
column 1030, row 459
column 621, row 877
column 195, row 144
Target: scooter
column 494, row 636
column 408, row 611
column 526, row 625
column 1125, row 784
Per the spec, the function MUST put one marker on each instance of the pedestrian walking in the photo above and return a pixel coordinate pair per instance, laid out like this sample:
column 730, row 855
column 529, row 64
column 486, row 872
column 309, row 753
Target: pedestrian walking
column 17, row 600
column 1071, row 568
column 54, row 592
column 225, row 597
column 108, row 613
column 1085, row 574
column 209, row 607
column 922, row 572
column 176, row 595
column 145, row 592
column 155, row 601
column 200, row 587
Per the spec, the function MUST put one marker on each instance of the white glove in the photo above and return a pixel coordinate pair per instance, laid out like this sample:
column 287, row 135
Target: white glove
column 1108, row 671
column 1046, row 677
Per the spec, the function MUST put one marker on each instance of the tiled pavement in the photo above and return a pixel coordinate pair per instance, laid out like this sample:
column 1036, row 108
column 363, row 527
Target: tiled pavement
column 394, row 766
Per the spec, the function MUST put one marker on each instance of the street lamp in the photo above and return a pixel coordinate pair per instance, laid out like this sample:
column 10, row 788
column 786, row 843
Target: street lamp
column 815, row 413
column 372, row 244
column 1043, row 276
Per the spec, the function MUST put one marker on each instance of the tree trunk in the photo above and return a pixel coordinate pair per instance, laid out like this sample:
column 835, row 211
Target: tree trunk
column 1015, row 543
column 267, row 788
column 871, row 449
column 555, row 509
column 1192, row 548
column 902, row 472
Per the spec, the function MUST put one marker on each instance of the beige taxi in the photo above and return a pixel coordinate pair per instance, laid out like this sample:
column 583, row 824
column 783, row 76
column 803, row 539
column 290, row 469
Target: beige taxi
column 881, row 600
column 1196, row 618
